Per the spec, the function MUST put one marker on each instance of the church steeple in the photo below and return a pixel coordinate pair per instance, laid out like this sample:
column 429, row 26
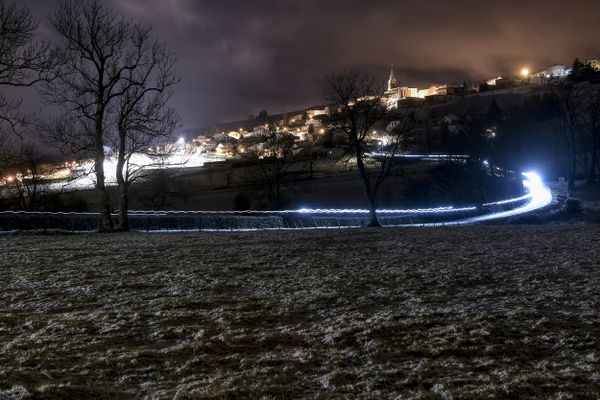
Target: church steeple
column 392, row 82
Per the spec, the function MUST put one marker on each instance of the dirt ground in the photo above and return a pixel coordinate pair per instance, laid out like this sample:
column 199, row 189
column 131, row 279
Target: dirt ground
column 464, row 313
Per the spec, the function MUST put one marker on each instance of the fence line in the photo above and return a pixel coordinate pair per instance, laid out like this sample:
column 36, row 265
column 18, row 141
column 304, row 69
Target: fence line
column 148, row 221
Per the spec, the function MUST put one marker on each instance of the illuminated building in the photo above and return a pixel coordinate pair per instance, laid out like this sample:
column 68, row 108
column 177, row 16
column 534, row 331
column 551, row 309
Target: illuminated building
column 494, row 81
column 395, row 93
column 314, row 112
column 225, row 149
column 595, row 64
column 432, row 91
column 235, row 135
column 553, row 71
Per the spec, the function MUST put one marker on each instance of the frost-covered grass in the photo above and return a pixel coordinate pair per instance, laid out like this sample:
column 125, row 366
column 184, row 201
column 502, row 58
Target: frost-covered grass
column 472, row 312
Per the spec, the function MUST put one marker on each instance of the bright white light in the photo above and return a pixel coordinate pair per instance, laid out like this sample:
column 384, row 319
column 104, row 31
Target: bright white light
column 181, row 140
column 541, row 195
column 85, row 177
column 538, row 193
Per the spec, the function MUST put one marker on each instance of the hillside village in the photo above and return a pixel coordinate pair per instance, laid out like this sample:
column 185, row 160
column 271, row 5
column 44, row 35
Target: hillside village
column 245, row 139
column 307, row 133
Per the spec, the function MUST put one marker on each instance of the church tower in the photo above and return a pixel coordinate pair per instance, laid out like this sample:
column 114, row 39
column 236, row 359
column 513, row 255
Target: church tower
column 392, row 82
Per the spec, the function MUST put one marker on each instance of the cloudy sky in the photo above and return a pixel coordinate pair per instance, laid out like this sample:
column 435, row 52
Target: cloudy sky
column 238, row 57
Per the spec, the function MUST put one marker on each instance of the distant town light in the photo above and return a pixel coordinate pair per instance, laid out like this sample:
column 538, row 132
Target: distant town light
column 524, row 72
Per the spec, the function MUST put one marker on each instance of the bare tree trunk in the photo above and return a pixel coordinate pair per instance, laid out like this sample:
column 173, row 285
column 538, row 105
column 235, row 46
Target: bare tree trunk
column 33, row 196
column 21, row 193
column 123, row 209
column 106, row 224
column 123, row 224
column 373, row 220
column 122, row 182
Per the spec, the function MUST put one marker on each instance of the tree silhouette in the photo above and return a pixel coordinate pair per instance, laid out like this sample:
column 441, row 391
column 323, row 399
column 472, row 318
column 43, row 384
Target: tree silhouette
column 103, row 57
column 357, row 106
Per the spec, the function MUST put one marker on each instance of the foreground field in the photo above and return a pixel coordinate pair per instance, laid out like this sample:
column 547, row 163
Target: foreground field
column 476, row 312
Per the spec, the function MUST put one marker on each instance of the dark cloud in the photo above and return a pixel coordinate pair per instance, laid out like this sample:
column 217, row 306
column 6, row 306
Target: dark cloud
column 240, row 56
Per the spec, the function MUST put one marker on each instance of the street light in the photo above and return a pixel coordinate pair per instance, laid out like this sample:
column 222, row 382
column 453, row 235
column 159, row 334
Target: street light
column 525, row 72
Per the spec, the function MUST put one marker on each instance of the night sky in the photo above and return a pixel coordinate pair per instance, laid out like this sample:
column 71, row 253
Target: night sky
column 238, row 57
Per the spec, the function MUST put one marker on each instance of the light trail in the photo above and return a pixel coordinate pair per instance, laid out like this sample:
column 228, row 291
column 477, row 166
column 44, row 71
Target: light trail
column 382, row 211
column 539, row 197
column 507, row 201
column 425, row 157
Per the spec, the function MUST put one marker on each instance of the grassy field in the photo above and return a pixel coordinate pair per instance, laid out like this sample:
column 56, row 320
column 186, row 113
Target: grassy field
column 475, row 312
column 333, row 186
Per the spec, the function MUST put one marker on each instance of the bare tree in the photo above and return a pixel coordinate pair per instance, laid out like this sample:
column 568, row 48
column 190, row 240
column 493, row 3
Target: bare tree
column 142, row 114
column 358, row 108
column 99, row 54
column 272, row 171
